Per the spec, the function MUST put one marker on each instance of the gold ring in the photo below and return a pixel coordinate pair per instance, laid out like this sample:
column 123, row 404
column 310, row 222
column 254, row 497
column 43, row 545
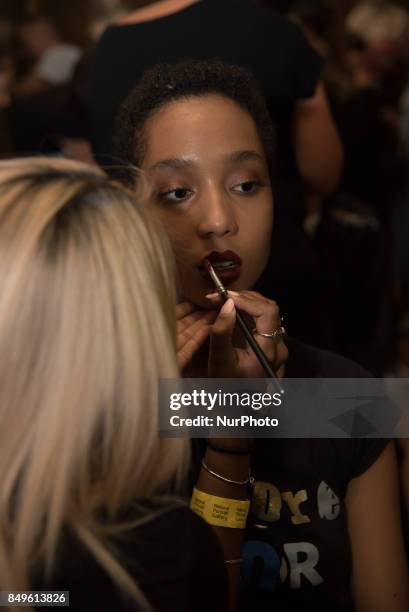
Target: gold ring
column 275, row 335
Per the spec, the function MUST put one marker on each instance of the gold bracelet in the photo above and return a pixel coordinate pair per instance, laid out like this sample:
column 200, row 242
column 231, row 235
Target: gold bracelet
column 220, row 511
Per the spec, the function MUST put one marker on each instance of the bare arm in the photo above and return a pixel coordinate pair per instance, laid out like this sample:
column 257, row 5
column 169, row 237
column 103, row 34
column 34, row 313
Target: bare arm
column 235, row 467
column 380, row 572
column 317, row 145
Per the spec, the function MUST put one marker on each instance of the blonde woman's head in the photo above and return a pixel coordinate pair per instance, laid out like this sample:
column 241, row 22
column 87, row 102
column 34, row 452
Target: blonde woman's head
column 86, row 331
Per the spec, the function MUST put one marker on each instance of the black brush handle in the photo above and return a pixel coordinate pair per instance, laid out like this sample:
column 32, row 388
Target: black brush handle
column 259, row 353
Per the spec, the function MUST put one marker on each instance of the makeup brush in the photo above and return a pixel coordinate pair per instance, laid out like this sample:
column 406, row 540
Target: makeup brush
column 243, row 326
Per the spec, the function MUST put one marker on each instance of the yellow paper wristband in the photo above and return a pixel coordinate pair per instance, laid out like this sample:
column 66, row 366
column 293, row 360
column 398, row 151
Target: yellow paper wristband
column 220, row 511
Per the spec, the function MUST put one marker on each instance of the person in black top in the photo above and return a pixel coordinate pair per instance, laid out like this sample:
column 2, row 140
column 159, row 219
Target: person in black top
column 242, row 33
column 91, row 495
column 289, row 71
column 324, row 513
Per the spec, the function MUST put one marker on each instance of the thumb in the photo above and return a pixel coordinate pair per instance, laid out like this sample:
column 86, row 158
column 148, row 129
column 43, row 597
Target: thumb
column 222, row 356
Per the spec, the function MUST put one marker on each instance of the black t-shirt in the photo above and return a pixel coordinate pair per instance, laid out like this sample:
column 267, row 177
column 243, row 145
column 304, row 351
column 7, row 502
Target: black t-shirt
column 242, row 33
column 297, row 552
column 175, row 559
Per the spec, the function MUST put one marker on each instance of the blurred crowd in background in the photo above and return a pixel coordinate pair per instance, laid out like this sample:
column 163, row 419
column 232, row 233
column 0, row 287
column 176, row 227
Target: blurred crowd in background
column 360, row 234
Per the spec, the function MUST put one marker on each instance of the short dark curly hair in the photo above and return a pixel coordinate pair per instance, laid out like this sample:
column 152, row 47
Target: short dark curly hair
column 166, row 83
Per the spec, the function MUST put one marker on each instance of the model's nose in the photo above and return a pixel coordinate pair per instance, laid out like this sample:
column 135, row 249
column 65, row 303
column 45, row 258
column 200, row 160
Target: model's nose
column 217, row 216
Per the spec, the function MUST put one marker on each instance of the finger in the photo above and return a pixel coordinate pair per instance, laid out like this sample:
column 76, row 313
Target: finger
column 222, row 356
column 262, row 310
column 189, row 320
column 184, row 308
column 216, row 298
column 191, row 346
column 205, row 320
column 251, row 295
column 266, row 315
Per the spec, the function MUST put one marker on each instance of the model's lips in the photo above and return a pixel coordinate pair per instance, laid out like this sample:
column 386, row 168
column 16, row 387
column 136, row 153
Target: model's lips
column 220, row 260
column 227, row 266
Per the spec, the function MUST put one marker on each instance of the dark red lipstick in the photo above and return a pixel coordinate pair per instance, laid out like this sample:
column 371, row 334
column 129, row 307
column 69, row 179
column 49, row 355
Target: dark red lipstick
column 227, row 265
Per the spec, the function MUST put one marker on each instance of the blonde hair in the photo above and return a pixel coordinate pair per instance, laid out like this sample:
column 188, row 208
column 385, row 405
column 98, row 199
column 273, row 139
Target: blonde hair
column 87, row 328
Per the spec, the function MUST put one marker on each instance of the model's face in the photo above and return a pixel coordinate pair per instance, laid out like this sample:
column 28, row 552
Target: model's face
column 213, row 191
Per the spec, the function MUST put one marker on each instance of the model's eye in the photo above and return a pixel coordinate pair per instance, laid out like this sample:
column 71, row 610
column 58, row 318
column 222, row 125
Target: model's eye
column 175, row 195
column 247, row 187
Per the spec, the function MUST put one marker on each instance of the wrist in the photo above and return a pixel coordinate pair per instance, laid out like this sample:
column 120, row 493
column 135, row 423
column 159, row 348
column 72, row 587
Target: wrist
column 231, row 446
column 235, row 467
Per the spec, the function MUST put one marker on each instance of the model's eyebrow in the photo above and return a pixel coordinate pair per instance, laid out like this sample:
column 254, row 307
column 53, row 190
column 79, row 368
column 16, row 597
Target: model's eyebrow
column 176, row 163
column 181, row 163
column 240, row 156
